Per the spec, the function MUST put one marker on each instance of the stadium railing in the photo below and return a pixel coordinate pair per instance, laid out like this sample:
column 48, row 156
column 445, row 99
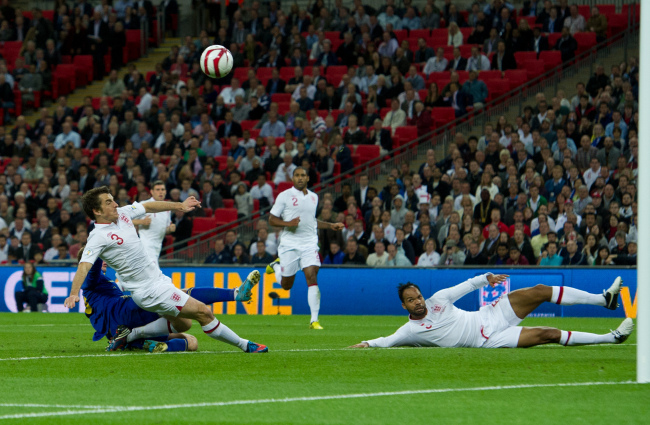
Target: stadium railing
column 197, row 248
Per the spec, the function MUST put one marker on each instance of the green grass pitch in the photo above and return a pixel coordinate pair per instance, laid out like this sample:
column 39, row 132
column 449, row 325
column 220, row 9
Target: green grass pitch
column 309, row 378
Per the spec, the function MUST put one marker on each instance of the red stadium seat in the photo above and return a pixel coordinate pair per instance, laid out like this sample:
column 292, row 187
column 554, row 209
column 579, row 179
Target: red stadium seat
column 586, row 40
column 367, row 152
column 225, row 214
column 282, row 186
column 585, row 11
column 133, row 49
column 553, row 38
column 466, row 32
column 524, row 56
column 287, row 72
column 401, row 35
column 551, row 59
column 616, row 23
column 332, row 35
column 229, row 203
column 419, row 33
column 85, row 64
column 489, row 75
column 634, row 10
column 534, row 68
column 202, row 225
column 207, row 211
column 48, row 14
column 498, row 88
column 264, row 72
column 516, row 77
column 442, row 116
column 606, row 9
column 241, row 73
column 281, row 97
column 408, row 132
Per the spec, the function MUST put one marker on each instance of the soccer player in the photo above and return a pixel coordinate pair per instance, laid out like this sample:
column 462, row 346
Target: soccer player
column 436, row 322
column 107, row 308
column 295, row 211
column 115, row 240
column 154, row 226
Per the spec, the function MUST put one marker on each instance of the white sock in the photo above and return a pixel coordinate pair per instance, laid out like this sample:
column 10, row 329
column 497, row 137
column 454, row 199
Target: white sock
column 565, row 295
column 313, row 298
column 160, row 327
column 221, row 332
column 278, row 272
column 585, row 338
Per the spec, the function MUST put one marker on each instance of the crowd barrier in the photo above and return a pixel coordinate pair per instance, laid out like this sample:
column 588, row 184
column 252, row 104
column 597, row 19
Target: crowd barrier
column 356, row 291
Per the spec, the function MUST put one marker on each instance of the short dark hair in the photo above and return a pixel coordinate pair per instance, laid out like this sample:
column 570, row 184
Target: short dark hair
column 158, row 183
column 91, row 202
column 403, row 287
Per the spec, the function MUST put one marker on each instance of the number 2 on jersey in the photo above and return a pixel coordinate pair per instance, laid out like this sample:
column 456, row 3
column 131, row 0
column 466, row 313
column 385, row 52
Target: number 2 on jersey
column 119, row 240
column 295, row 201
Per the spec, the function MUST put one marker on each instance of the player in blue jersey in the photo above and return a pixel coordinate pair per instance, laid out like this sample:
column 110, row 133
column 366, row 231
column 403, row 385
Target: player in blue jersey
column 111, row 312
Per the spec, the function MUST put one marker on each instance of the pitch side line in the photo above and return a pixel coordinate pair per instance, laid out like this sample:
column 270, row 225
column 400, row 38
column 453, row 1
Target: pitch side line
column 114, row 409
column 296, row 350
column 61, row 406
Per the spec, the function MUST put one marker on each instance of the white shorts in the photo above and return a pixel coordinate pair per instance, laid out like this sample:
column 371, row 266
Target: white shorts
column 161, row 297
column 295, row 260
column 499, row 325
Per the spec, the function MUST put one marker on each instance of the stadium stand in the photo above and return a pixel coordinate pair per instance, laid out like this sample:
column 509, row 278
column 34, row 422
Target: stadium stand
column 374, row 80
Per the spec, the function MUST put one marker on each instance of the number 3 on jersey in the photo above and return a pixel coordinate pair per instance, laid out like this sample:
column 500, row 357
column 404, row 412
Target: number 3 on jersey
column 119, row 240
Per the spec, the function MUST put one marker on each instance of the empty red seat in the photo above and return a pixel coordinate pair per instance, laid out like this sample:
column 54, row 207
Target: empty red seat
column 551, row 59
column 241, row 73
column 553, row 38
column 401, row 35
column 264, row 72
column 606, row 9
column 489, row 75
column 225, row 214
column 585, row 11
column 85, row 64
column 534, row 68
column 442, row 116
column 524, row 56
column 498, row 88
column 419, row 34
column 202, row 225
column 516, row 77
column 248, row 124
column 287, row 72
column 616, row 23
column 229, row 203
column 282, row 186
column 585, row 40
column 367, row 152
column 133, row 48
column 409, row 132
column 281, row 97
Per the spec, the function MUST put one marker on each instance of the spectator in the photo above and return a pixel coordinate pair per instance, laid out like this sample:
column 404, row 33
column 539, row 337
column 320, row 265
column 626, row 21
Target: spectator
column 452, row 255
column 429, row 258
column 574, row 22
column 503, row 59
column 549, row 256
column 567, row 45
column 597, row 23
column 379, row 257
column 474, row 256
column 516, row 258
column 395, row 258
column 239, row 256
column 335, row 255
column 261, row 256
column 220, row 255
column 33, row 290
column 454, row 37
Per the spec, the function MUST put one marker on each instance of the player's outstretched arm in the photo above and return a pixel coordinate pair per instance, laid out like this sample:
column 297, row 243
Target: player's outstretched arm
column 457, row 292
column 161, row 206
column 79, row 277
column 360, row 345
column 331, row 226
column 278, row 222
column 142, row 221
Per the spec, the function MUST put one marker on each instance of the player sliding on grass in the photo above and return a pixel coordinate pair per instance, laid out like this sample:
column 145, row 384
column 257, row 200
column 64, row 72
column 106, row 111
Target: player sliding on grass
column 295, row 211
column 108, row 308
column 436, row 322
column 116, row 241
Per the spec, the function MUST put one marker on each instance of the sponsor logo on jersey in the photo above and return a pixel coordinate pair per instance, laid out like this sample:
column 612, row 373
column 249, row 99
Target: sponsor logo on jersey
column 489, row 295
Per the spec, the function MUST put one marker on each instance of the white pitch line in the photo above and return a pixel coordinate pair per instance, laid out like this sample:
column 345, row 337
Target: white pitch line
column 295, row 350
column 115, row 409
column 64, row 406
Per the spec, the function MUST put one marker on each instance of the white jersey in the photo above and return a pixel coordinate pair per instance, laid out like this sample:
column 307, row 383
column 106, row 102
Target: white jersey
column 294, row 203
column 152, row 235
column 445, row 325
column 120, row 247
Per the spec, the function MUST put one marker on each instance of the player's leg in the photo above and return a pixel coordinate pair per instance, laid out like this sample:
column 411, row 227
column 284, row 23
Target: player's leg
column 532, row 336
column 285, row 268
column 524, row 301
column 215, row 295
column 313, row 295
column 196, row 310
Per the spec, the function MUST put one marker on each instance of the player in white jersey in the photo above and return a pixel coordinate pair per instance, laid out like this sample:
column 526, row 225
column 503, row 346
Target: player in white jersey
column 436, row 322
column 154, row 226
column 295, row 211
column 115, row 241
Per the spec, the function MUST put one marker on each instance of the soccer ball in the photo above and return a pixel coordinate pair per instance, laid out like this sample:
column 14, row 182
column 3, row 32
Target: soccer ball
column 216, row 61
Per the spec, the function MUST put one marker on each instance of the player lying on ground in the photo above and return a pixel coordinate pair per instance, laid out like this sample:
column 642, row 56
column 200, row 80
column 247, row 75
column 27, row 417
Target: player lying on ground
column 294, row 211
column 436, row 322
column 108, row 308
column 115, row 240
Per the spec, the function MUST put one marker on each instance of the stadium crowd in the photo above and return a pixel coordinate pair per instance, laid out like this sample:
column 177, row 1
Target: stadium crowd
column 557, row 186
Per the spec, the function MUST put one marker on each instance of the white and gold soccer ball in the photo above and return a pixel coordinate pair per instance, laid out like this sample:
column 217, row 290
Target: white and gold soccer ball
column 216, row 61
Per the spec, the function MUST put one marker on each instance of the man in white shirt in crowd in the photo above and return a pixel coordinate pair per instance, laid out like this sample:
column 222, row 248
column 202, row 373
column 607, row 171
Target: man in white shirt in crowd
column 295, row 211
column 437, row 322
column 154, row 226
column 285, row 170
column 263, row 192
column 379, row 257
